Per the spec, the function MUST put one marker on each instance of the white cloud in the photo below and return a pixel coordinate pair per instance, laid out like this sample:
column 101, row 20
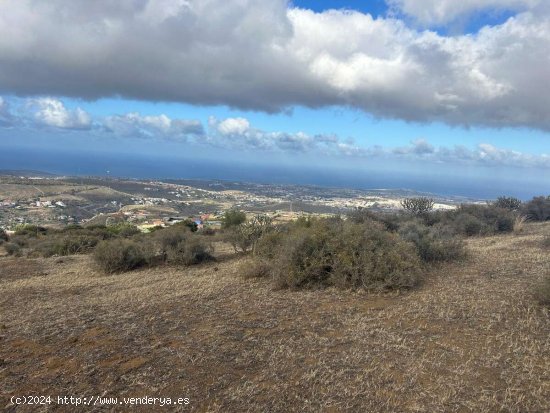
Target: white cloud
column 52, row 112
column 237, row 133
column 261, row 55
column 484, row 154
column 161, row 126
column 438, row 12
column 233, row 126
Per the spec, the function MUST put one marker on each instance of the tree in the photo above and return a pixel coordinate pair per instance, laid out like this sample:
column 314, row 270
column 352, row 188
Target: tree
column 417, row 206
column 233, row 218
column 510, row 203
column 247, row 234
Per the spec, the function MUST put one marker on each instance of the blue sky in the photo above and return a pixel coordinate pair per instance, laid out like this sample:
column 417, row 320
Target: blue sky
column 401, row 86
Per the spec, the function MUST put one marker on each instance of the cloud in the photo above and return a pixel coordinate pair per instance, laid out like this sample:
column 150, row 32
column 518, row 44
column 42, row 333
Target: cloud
column 6, row 118
column 161, row 126
column 53, row 113
column 238, row 134
column 439, row 12
column 483, row 155
column 417, row 147
column 263, row 55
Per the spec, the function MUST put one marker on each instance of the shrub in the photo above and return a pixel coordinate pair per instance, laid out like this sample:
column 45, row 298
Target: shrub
column 417, row 206
column 233, row 218
column 492, row 218
column 542, row 293
column 3, row 235
column 189, row 223
column 468, row 224
column 30, row 230
column 21, row 240
column 510, row 203
column 343, row 254
column 257, row 268
column 169, row 238
column 123, row 229
column 538, row 209
column 67, row 245
column 546, row 242
column 120, row 255
column 12, row 249
column 189, row 251
column 434, row 244
column 246, row 235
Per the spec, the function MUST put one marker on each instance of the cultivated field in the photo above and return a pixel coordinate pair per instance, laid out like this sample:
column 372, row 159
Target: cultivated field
column 470, row 339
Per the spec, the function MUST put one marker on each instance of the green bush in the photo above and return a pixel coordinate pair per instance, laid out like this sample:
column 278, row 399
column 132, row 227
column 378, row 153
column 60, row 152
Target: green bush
column 331, row 252
column 12, row 249
column 510, row 203
column 493, row 219
column 435, row 244
column 467, row 224
column 123, row 229
column 189, row 223
column 120, row 255
column 30, row 230
column 233, row 218
column 66, row 245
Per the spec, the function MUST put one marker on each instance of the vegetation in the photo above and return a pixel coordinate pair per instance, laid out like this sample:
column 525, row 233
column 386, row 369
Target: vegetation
column 418, row 206
column 177, row 245
column 510, row 203
column 233, row 218
column 120, row 255
column 334, row 252
column 538, row 209
column 12, row 249
column 3, row 235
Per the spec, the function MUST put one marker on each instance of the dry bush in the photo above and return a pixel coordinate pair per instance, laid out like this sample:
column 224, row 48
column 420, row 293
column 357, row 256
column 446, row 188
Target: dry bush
column 12, row 249
column 120, row 255
column 545, row 243
column 190, row 250
column 519, row 224
column 256, row 268
column 418, row 206
column 538, row 209
column 3, row 235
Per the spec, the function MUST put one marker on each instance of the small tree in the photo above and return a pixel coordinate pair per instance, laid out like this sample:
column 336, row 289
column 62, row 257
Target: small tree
column 247, row 234
column 417, row 206
column 233, row 218
column 510, row 203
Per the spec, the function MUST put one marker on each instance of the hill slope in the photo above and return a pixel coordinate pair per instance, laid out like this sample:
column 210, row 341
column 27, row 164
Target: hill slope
column 470, row 339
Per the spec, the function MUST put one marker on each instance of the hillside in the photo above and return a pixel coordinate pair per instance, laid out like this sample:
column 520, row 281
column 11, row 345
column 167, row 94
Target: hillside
column 471, row 338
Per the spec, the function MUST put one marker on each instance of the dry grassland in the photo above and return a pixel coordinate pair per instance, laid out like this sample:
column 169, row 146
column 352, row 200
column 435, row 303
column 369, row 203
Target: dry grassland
column 470, row 339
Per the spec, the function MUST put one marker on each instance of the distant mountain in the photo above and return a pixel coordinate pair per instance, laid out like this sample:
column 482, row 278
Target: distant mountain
column 25, row 172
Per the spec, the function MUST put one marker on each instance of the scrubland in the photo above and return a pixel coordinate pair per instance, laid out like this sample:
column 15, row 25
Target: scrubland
column 471, row 333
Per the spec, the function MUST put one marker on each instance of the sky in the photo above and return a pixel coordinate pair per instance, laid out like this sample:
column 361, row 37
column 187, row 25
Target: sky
column 417, row 88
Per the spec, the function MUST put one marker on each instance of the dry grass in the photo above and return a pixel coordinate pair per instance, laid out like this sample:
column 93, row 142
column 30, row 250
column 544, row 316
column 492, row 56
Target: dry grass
column 471, row 339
